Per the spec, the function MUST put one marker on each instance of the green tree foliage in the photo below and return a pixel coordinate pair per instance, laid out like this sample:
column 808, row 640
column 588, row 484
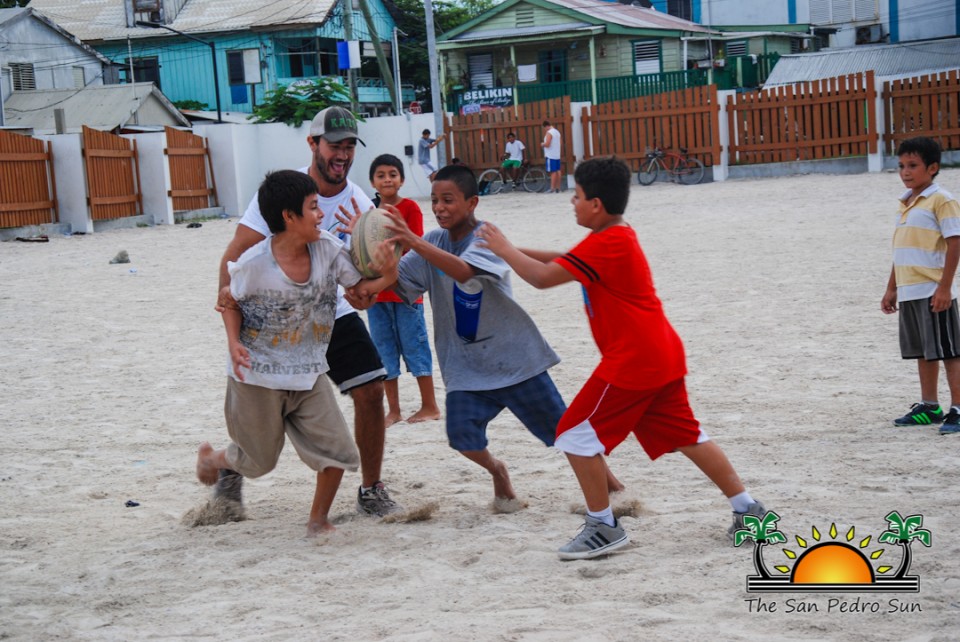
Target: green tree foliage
column 194, row 105
column 447, row 15
column 299, row 102
column 9, row 4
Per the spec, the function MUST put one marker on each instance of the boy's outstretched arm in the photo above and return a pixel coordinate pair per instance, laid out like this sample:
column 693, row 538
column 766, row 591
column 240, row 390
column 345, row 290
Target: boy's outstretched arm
column 451, row 264
column 529, row 268
column 385, row 262
column 232, row 320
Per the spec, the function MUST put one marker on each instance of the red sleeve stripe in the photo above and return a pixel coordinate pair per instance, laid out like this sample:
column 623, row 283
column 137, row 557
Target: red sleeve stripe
column 581, row 265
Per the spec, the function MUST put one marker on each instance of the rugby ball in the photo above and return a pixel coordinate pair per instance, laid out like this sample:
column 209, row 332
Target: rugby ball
column 369, row 231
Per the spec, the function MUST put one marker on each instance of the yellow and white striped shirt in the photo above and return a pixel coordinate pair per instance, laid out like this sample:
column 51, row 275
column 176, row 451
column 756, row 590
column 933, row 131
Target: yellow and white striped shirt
column 919, row 241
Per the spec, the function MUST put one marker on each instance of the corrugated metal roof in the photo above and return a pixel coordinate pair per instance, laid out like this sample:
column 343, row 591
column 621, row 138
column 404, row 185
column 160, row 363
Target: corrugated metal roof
column 7, row 16
column 106, row 19
column 100, row 107
column 629, row 15
column 518, row 32
column 885, row 60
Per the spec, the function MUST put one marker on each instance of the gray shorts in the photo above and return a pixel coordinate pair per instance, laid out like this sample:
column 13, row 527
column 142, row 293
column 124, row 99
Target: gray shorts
column 928, row 335
column 258, row 418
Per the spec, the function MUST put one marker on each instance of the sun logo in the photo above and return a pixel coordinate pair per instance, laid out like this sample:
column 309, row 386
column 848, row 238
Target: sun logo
column 833, row 566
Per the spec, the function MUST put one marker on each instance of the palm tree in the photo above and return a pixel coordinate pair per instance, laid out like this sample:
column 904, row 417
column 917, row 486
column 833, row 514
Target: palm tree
column 762, row 532
column 903, row 531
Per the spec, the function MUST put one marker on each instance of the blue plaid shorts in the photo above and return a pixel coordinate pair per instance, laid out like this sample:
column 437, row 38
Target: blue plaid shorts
column 536, row 402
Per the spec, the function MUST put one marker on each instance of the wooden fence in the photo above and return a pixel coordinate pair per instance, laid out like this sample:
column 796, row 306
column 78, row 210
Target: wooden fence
column 479, row 139
column 113, row 175
column 923, row 106
column 807, row 121
column 28, row 187
column 687, row 118
column 189, row 159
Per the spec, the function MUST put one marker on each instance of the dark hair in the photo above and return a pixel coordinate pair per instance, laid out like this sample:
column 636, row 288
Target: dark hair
column 546, row 123
column 461, row 176
column 606, row 178
column 426, row 131
column 926, row 148
column 509, row 134
column 283, row 190
column 389, row 160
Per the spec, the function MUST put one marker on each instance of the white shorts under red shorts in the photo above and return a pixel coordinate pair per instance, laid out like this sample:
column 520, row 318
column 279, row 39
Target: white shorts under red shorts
column 602, row 415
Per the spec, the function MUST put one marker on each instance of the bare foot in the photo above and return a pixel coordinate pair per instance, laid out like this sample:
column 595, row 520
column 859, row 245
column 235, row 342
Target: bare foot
column 502, row 489
column 319, row 527
column 424, row 414
column 391, row 418
column 207, row 469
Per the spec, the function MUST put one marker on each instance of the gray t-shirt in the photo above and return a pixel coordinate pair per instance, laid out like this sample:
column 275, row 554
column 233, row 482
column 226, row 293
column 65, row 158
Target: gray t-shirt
column 484, row 339
column 423, row 149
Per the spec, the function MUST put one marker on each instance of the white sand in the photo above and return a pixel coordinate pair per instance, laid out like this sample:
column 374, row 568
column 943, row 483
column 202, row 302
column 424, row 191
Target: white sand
column 110, row 379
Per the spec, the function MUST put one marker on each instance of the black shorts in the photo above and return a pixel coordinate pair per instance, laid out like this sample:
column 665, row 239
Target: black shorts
column 351, row 355
column 928, row 335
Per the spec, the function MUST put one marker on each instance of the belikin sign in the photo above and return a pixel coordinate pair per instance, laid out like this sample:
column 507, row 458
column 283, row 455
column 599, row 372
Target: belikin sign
column 475, row 101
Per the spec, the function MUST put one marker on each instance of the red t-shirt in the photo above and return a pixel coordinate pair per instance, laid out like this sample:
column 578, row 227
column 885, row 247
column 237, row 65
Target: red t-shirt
column 414, row 218
column 639, row 348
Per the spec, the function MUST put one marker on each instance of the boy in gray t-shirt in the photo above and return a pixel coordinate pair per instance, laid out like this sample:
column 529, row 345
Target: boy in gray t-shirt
column 490, row 352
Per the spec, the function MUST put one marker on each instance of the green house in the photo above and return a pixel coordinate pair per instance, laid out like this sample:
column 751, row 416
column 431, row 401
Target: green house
column 592, row 50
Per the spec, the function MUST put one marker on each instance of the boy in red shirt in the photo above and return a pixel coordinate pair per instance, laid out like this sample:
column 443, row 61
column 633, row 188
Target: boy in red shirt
column 638, row 386
column 400, row 330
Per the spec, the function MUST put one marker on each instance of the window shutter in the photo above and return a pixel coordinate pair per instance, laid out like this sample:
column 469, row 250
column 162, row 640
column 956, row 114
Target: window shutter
column 646, row 57
column 23, row 78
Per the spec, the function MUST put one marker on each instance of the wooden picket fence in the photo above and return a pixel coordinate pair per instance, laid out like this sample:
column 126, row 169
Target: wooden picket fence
column 478, row 140
column 923, row 106
column 28, row 187
column 807, row 121
column 687, row 118
column 113, row 175
column 189, row 160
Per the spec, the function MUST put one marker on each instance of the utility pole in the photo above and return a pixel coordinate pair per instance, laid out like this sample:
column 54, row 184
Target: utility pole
column 378, row 50
column 347, row 7
column 439, row 112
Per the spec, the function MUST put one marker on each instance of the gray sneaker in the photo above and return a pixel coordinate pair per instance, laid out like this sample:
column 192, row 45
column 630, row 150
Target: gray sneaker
column 594, row 539
column 756, row 509
column 229, row 486
column 376, row 501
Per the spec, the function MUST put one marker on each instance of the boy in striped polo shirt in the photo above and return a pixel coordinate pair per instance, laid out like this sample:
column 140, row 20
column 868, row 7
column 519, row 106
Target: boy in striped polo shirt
column 926, row 250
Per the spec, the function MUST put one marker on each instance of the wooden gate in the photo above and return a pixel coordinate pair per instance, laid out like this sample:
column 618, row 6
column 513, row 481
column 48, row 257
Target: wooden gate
column 113, row 175
column 189, row 159
column 924, row 106
column 807, row 121
column 479, row 139
column 28, row 188
column 687, row 118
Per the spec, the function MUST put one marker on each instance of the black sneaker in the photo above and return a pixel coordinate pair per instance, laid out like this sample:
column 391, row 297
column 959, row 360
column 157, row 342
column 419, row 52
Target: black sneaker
column 376, row 501
column 921, row 414
column 229, row 486
column 951, row 425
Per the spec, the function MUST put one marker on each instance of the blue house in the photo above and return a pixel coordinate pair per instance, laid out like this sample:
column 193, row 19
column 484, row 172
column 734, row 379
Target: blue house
column 256, row 46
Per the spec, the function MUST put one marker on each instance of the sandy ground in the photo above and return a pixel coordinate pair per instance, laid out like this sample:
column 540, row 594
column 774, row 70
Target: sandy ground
column 112, row 374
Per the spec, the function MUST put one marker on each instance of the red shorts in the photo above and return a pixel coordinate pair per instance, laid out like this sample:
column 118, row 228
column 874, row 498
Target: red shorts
column 602, row 415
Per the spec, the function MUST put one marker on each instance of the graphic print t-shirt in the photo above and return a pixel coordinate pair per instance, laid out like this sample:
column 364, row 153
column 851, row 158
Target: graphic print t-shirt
column 484, row 339
column 329, row 205
column 639, row 348
column 286, row 325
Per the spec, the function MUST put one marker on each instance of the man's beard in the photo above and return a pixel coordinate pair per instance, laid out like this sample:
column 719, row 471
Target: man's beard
column 322, row 170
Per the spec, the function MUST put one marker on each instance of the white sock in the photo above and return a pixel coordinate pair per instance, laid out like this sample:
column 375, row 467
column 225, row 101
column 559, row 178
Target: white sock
column 741, row 502
column 935, row 404
column 605, row 516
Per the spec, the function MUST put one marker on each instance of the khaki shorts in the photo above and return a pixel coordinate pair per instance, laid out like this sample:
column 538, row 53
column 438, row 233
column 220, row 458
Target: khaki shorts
column 258, row 418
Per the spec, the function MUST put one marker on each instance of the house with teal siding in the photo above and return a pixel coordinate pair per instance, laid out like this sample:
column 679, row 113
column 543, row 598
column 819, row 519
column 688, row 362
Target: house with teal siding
column 256, row 46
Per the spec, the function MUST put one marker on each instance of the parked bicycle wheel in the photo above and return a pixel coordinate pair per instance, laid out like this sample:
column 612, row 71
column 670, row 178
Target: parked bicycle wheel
column 690, row 172
column 648, row 172
column 490, row 182
column 535, row 180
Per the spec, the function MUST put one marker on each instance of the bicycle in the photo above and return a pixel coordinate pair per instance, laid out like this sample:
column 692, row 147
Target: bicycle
column 687, row 170
column 532, row 179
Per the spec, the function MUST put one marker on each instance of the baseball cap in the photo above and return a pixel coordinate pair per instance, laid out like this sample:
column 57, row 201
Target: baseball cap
column 335, row 124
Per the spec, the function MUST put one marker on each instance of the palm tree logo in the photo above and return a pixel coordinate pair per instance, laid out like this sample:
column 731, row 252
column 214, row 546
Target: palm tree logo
column 833, row 566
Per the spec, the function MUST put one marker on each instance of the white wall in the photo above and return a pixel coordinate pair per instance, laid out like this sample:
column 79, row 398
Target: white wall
column 154, row 176
column 71, row 181
column 744, row 12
